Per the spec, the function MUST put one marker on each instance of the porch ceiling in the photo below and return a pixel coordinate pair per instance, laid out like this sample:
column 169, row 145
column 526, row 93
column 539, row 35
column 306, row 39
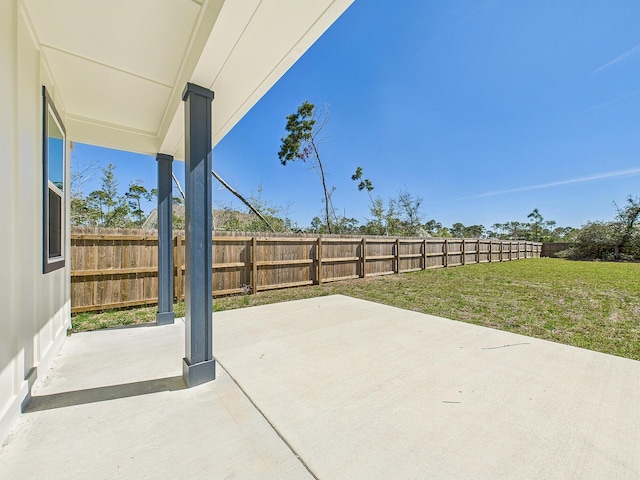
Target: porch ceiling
column 119, row 67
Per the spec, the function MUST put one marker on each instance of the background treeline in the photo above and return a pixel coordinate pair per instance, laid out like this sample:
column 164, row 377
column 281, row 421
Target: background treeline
column 402, row 215
column 106, row 207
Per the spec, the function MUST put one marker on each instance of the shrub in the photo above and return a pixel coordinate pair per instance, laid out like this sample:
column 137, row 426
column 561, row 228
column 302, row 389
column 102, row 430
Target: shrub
column 595, row 240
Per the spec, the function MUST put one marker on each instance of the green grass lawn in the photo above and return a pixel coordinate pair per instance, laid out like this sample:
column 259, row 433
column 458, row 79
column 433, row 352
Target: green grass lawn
column 594, row 305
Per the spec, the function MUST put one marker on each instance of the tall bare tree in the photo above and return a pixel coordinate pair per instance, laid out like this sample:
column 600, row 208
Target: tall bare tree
column 304, row 128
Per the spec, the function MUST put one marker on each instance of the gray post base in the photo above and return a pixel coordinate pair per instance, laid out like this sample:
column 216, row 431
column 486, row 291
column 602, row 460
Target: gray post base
column 198, row 373
column 165, row 318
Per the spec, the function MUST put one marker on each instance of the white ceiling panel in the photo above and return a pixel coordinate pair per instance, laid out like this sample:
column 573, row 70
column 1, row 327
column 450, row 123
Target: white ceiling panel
column 120, row 66
column 145, row 37
column 88, row 88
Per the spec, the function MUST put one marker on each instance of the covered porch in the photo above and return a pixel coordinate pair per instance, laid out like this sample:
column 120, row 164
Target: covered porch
column 167, row 79
column 171, row 80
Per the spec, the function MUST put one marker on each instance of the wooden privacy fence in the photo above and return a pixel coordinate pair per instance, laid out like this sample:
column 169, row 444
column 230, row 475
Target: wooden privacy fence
column 114, row 269
column 550, row 249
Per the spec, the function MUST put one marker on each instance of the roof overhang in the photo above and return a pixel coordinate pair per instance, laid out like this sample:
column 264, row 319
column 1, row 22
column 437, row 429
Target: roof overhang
column 119, row 67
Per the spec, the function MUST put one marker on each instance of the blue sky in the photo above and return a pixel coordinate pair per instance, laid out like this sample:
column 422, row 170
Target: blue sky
column 485, row 109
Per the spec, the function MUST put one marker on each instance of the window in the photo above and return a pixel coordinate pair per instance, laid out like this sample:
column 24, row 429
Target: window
column 53, row 163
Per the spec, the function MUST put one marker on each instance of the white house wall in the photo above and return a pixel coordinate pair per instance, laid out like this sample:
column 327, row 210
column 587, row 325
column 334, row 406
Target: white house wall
column 36, row 307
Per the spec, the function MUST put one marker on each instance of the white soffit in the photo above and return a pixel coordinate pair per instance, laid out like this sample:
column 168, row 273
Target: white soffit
column 119, row 67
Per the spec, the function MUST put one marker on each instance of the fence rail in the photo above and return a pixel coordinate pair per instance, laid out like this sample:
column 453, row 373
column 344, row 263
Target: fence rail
column 119, row 268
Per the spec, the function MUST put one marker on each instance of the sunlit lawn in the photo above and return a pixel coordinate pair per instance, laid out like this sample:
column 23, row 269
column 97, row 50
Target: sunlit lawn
column 594, row 305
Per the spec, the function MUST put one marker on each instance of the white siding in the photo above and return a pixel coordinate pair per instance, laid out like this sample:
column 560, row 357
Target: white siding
column 35, row 307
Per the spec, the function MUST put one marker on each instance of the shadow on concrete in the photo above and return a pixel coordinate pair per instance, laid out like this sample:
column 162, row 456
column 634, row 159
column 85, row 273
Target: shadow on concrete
column 101, row 394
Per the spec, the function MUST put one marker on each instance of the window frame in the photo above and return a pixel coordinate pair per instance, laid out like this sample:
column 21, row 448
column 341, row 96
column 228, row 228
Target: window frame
column 57, row 260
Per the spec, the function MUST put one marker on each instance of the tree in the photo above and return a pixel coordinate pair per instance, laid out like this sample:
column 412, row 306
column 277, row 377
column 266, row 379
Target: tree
column 177, row 221
column 222, row 182
column 625, row 226
column 317, row 226
column 474, row 231
column 457, row 230
column 393, row 224
column 498, row 230
column 547, row 234
column 302, row 142
column 563, row 234
column 409, row 207
column 364, row 184
column 516, row 230
column 403, row 215
column 80, row 212
column 594, row 241
column 272, row 218
column 346, row 225
column 444, row 232
column 537, row 229
column 536, row 224
column 249, row 205
column 377, row 224
column 614, row 240
column 433, row 228
column 106, row 207
column 137, row 192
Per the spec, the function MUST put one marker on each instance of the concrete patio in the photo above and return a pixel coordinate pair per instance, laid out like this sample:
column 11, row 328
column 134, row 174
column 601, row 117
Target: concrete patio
column 330, row 388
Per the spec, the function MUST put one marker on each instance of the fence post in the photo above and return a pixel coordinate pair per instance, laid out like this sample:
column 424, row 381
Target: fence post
column 446, row 253
column 319, row 255
column 176, row 268
column 490, row 250
column 363, row 258
column 464, row 259
column 478, row 251
column 424, row 254
column 397, row 255
column 254, row 264
column 179, row 264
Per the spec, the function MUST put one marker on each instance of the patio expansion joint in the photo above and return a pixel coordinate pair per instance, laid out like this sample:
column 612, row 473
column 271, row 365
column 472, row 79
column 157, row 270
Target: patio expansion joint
column 273, row 427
